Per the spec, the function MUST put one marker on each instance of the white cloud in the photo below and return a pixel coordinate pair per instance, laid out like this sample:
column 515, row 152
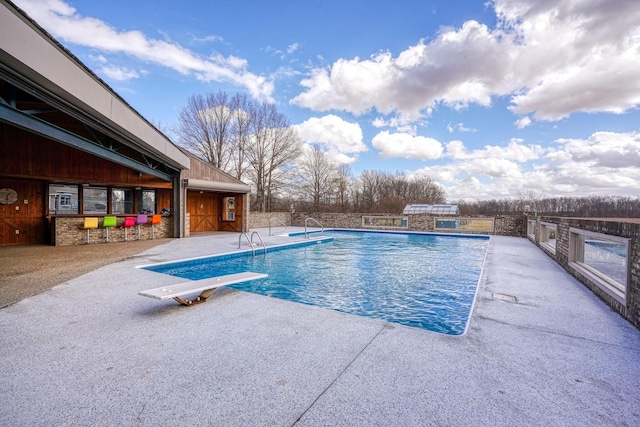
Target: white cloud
column 552, row 57
column 522, row 122
column 121, row 73
column 604, row 163
column 459, row 127
column 64, row 23
column 340, row 138
column 293, row 47
column 513, row 151
column 407, row 146
column 602, row 149
column 209, row 39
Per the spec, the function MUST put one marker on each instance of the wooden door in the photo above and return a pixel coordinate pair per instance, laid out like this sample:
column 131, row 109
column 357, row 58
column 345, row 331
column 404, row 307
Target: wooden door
column 203, row 211
column 22, row 221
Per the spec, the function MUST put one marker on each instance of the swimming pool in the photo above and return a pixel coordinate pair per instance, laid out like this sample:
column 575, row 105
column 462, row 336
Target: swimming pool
column 421, row 280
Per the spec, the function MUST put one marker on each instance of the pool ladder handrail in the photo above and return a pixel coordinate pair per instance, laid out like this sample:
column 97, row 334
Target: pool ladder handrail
column 281, row 222
column 250, row 240
column 306, row 221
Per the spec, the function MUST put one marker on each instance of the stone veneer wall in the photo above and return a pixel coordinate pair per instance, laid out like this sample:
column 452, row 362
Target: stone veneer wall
column 261, row 219
column 631, row 230
column 66, row 231
column 504, row 225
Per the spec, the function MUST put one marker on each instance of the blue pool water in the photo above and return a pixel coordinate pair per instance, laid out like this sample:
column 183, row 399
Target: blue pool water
column 419, row 280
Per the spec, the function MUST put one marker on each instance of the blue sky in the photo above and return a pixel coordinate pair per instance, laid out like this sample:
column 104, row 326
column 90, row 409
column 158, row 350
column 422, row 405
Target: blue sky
column 492, row 99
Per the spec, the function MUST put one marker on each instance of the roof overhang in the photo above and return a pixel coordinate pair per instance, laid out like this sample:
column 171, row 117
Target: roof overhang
column 201, row 184
column 36, row 63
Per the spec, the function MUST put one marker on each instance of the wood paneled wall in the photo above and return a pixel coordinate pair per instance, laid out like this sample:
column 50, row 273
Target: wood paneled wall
column 205, row 211
column 23, row 221
column 23, row 154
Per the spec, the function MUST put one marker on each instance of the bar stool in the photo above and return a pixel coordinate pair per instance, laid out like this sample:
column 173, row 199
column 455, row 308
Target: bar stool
column 155, row 219
column 142, row 219
column 108, row 222
column 128, row 223
column 89, row 224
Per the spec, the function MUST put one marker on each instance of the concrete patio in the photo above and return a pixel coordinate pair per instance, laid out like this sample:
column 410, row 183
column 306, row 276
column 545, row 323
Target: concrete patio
column 92, row 352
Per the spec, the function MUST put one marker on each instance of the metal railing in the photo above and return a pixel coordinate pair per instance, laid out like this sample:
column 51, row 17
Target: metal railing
column 264, row 247
column 250, row 240
column 279, row 220
column 306, row 221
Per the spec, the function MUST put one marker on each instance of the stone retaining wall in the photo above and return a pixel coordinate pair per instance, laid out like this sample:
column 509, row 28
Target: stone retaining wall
column 512, row 225
column 629, row 309
column 261, row 219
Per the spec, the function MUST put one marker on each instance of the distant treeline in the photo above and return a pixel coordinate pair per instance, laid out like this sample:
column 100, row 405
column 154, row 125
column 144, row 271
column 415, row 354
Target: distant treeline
column 591, row 207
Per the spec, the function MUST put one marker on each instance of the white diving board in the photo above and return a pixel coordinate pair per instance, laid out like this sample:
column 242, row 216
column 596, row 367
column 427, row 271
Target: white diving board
column 206, row 286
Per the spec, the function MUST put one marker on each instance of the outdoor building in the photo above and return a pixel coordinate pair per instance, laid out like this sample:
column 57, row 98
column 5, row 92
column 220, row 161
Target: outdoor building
column 70, row 147
column 439, row 209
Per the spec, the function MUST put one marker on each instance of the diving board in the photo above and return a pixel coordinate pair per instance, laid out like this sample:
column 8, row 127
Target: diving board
column 206, row 286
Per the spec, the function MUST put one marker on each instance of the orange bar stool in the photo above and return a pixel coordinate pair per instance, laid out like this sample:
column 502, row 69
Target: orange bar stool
column 128, row 223
column 141, row 219
column 89, row 224
column 155, row 219
column 108, row 222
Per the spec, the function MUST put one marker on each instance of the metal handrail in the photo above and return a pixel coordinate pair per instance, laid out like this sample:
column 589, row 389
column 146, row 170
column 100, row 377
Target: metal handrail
column 281, row 222
column 248, row 240
column 259, row 238
column 305, row 226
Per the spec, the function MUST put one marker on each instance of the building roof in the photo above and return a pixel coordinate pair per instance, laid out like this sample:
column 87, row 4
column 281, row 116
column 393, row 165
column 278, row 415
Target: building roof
column 441, row 209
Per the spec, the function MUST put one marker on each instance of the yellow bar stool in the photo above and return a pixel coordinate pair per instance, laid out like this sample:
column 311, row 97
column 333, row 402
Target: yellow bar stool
column 89, row 224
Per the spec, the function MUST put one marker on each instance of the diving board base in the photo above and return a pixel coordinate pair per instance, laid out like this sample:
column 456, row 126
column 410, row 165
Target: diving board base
column 206, row 287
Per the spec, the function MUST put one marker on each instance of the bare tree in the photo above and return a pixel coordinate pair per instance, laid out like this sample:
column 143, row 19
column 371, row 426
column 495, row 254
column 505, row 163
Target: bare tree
column 243, row 111
column 342, row 182
column 317, row 176
column 204, row 128
column 274, row 147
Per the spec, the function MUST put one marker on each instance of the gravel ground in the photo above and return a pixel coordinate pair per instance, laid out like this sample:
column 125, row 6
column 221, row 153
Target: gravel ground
column 28, row 270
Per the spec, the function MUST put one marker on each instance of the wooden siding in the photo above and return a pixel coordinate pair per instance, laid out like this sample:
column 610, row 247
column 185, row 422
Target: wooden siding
column 23, row 221
column 23, row 154
column 205, row 211
column 200, row 169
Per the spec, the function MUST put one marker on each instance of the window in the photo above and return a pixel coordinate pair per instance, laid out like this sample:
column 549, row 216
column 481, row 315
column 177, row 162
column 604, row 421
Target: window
column 385, row 221
column 63, row 199
column 94, row 200
column 464, row 224
column 122, row 201
column 548, row 233
column 604, row 259
column 148, row 205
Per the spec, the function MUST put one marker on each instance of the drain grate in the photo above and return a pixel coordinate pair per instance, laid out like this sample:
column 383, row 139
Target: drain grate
column 504, row 297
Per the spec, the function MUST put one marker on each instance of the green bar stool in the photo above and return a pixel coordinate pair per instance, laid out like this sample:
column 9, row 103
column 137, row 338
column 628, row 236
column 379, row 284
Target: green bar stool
column 108, row 222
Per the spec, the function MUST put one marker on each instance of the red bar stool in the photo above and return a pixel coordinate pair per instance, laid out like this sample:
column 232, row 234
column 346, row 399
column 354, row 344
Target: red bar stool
column 128, row 223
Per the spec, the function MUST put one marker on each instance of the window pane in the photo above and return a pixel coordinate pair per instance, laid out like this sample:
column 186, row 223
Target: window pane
column 94, row 200
column 122, row 201
column 608, row 257
column 63, row 199
column 148, row 201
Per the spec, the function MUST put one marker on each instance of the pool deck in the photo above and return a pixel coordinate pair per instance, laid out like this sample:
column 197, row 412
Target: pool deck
column 92, row 352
